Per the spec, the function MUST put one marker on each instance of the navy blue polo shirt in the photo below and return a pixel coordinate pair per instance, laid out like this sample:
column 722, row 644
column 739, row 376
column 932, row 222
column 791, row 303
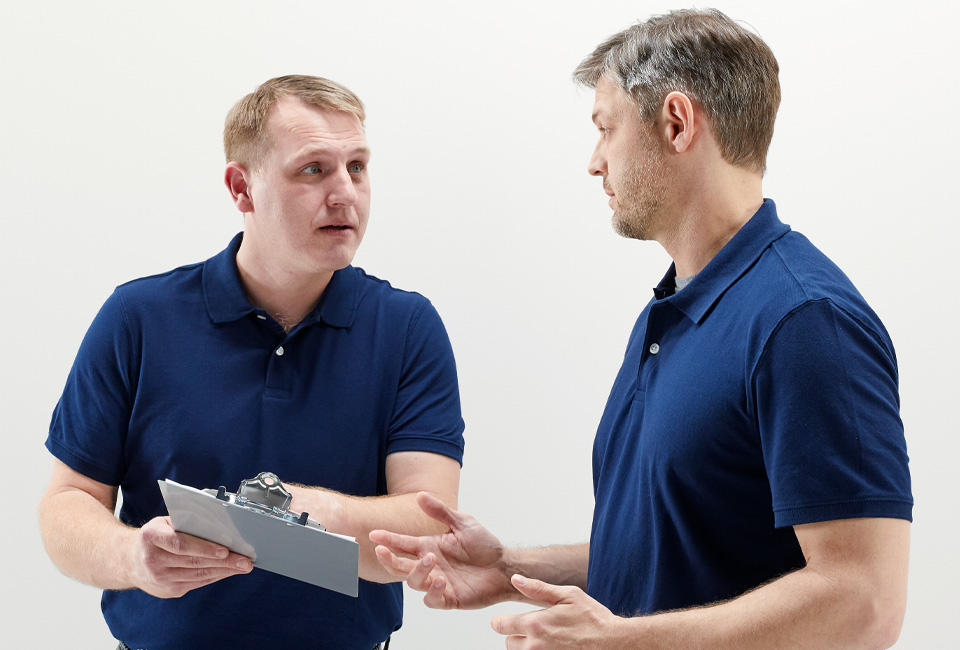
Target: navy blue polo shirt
column 180, row 377
column 761, row 396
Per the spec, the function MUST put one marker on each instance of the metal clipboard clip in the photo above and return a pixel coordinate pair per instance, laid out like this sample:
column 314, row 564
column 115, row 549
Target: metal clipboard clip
column 265, row 494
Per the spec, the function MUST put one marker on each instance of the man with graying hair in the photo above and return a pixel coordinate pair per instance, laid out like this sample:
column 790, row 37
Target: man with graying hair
column 274, row 355
column 750, row 468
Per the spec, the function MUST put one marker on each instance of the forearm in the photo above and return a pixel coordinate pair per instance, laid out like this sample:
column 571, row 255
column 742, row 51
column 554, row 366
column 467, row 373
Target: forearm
column 802, row 610
column 558, row 565
column 84, row 539
column 851, row 594
column 357, row 516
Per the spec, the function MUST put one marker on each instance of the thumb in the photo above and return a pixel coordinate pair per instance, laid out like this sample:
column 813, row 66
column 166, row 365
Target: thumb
column 539, row 591
column 437, row 509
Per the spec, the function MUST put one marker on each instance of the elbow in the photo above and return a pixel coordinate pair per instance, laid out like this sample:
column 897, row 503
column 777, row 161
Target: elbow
column 881, row 619
column 886, row 630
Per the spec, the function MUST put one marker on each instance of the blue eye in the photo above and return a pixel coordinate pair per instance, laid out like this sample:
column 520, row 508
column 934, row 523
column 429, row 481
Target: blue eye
column 356, row 168
column 312, row 169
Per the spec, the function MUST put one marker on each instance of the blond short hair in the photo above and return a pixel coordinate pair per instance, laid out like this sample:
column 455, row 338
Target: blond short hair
column 726, row 69
column 245, row 133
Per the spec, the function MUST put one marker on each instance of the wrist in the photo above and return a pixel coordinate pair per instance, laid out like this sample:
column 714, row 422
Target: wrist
column 626, row 632
column 127, row 542
column 647, row 632
column 511, row 563
column 323, row 506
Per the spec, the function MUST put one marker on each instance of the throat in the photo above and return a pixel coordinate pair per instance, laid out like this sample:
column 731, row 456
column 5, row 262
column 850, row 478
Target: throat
column 287, row 322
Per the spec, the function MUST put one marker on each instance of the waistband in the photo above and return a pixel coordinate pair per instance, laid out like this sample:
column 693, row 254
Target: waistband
column 380, row 646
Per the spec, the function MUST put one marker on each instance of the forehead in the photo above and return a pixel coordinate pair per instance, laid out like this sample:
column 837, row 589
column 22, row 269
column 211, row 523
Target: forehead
column 610, row 101
column 294, row 125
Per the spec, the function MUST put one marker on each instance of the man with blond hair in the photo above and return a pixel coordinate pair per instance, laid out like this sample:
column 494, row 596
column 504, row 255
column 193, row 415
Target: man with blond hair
column 750, row 469
column 274, row 355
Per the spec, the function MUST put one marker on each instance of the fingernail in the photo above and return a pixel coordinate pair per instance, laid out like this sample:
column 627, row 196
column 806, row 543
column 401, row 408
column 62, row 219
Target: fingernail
column 519, row 579
column 428, row 561
column 222, row 553
column 244, row 564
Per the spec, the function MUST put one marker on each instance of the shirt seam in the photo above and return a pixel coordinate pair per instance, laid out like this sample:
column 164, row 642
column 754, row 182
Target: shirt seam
column 406, row 339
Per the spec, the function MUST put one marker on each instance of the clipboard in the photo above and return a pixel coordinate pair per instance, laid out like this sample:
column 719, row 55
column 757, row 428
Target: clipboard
column 274, row 538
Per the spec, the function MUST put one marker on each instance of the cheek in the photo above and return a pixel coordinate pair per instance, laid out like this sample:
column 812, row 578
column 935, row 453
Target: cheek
column 363, row 204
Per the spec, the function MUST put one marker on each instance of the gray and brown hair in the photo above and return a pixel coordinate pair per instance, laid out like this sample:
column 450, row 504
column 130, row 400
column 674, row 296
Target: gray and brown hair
column 726, row 69
column 245, row 134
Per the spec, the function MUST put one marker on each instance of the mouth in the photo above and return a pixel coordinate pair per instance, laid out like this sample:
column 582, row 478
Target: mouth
column 608, row 192
column 335, row 227
column 612, row 200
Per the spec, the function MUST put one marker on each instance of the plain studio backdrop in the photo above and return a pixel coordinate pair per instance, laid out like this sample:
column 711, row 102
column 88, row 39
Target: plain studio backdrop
column 112, row 169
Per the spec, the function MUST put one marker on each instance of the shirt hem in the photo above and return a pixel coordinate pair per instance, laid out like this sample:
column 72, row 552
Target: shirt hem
column 882, row 508
column 432, row 445
column 79, row 464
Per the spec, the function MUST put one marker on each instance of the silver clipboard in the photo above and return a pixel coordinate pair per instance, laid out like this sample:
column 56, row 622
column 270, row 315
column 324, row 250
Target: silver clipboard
column 275, row 544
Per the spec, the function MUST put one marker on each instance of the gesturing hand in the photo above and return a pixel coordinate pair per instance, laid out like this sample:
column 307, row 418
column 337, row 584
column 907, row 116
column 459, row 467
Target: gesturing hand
column 461, row 569
column 168, row 564
column 572, row 619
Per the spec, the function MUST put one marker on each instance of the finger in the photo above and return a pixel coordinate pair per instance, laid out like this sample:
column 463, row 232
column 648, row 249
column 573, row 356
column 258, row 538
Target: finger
column 508, row 624
column 539, row 591
column 199, row 576
column 417, row 573
column 233, row 562
column 161, row 562
column 516, row 642
column 436, row 596
column 420, row 576
column 162, row 535
column 396, row 542
column 177, row 582
column 394, row 564
column 437, row 509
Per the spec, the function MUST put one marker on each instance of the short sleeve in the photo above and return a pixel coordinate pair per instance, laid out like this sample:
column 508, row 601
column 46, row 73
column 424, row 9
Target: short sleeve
column 427, row 415
column 90, row 421
column 826, row 390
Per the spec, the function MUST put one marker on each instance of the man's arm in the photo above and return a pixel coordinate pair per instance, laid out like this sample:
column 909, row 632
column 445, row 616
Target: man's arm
column 407, row 473
column 558, row 565
column 86, row 542
column 467, row 567
column 851, row 594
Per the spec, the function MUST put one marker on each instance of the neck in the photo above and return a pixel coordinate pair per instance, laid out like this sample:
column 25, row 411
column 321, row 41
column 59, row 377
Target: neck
column 706, row 218
column 288, row 296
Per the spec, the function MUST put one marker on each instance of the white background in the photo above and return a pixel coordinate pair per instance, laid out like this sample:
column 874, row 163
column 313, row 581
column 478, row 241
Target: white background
column 111, row 169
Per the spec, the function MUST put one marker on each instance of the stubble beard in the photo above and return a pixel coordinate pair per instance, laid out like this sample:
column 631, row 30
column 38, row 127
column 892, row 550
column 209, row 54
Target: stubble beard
column 641, row 196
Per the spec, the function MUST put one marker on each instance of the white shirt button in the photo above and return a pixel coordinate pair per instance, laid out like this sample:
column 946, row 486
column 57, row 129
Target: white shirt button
column 280, row 351
column 654, row 348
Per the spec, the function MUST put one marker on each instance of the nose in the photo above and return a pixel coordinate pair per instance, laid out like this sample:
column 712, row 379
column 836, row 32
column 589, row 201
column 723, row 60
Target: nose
column 598, row 162
column 343, row 193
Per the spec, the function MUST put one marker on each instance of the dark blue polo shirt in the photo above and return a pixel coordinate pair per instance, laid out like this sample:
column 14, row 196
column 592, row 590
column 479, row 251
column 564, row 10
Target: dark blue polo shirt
column 180, row 377
column 761, row 396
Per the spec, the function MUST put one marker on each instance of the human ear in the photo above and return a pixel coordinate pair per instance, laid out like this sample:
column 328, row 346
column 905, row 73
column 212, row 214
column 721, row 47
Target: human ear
column 680, row 121
column 236, row 177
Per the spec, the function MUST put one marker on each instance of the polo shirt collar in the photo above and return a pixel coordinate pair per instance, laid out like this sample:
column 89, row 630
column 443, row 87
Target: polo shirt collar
column 339, row 302
column 227, row 301
column 726, row 267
